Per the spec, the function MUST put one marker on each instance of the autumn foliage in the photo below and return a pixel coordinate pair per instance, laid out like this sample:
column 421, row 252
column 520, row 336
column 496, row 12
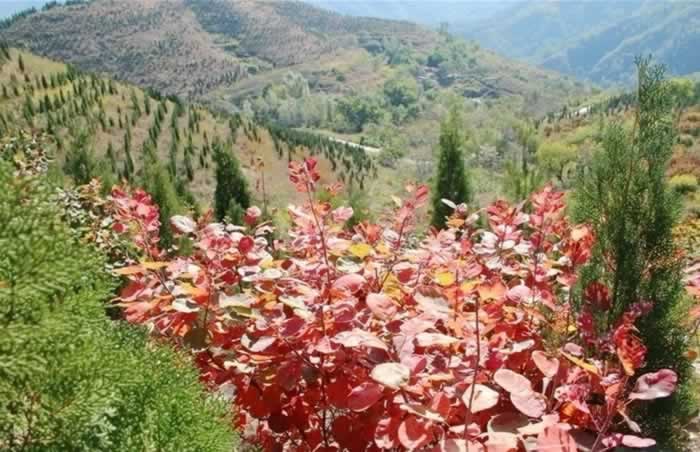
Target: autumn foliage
column 376, row 339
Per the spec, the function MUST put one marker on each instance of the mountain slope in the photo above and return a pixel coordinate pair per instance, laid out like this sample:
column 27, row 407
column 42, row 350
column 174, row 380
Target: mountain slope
column 186, row 47
column 192, row 47
column 595, row 40
column 590, row 39
column 431, row 12
column 119, row 126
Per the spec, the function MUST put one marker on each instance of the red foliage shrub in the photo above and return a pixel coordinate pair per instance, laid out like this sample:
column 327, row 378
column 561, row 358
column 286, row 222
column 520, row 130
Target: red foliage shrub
column 372, row 339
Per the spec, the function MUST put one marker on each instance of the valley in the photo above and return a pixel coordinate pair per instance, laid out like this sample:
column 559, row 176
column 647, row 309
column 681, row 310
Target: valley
column 349, row 226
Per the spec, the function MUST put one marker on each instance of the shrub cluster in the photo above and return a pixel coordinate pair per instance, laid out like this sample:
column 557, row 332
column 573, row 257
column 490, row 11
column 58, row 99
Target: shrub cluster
column 372, row 339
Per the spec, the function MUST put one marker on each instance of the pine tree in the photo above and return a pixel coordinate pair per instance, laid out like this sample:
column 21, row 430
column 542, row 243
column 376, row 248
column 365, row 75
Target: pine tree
column 626, row 198
column 20, row 63
column 231, row 195
column 451, row 180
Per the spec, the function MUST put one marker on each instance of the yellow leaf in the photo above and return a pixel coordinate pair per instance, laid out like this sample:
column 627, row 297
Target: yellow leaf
column 154, row 265
column 581, row 363
column 392, row 287
column 130, row 270
column 267, row 263
column 193, row 291
column 360, row 250
column 467, row 286
column 445, row 278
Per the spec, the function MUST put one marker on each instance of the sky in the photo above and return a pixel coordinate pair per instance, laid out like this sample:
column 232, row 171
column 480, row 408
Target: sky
column 10, row 7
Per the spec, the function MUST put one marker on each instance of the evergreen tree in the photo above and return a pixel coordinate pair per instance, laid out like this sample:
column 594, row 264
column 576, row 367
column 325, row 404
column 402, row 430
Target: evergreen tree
column 627, row 200
column 71, row 379
column 112, row 157
column 79, row 163
column 231, row 195
column 451, row 180
column 172, row 159
column 20, row 63
column 158, row 182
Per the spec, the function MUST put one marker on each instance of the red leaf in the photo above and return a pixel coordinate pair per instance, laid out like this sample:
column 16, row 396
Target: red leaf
column 458, row 445
column 338, row 391
column 364, row 396
column 655, row 385
column 531, row 403
column 548, row 366
column 512, row 382
column 414, row 432
column 359, row 338
column 484, row 398
column 502, row 442
column 381, row 306
column 351, row 283
column 391, row 375
column 636, row 441
column 246, row 244
column 555, row 439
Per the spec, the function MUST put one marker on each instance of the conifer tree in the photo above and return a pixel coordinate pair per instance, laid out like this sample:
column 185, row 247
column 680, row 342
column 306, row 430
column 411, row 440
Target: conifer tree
column 626, row 198
column 20, row 63
column 70, row 378
column 158, row 182
column 112, row 157
column 451, row 180
column 79, row 163
column 172, row 159
column 231, row 196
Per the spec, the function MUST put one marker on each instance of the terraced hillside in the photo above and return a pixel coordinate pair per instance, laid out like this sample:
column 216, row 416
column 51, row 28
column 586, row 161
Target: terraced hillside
column 109, row 129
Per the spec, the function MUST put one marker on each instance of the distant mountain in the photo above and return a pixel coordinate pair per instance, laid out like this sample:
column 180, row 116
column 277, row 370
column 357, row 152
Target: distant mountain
column 591, row 39
column 595, row 39
column 429, row 12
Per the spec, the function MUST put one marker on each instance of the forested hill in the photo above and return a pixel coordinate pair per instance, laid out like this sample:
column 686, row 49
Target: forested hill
column 97, row 127
column 194, row 47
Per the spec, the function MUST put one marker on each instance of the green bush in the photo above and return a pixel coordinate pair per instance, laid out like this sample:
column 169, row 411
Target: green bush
column 71, row 379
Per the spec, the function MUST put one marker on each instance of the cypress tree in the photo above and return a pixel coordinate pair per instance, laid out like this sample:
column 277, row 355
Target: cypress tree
column 79, row 163
column 626, row 198
column 231, row 196
column 451, row 180
column 172, row 161
column 112, row 157
column 158, row 182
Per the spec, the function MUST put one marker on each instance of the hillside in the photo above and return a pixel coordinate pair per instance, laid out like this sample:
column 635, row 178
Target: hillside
column 195, row 47
column 111, row 128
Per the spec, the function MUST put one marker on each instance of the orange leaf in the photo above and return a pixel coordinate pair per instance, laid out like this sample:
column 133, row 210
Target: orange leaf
column 130, row 270
column 491, row 291
column 154, row 265
column 582, row 364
